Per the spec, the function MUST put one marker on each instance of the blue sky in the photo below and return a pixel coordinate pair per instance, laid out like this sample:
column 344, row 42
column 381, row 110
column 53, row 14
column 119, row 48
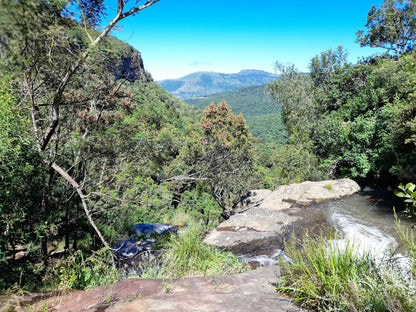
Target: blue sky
column 177, row 38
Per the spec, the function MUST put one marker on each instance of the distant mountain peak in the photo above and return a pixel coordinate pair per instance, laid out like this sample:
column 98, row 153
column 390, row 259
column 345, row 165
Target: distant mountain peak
column 203, row 83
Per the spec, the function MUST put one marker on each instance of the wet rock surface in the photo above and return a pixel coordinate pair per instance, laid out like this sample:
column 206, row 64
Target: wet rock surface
column 264, row 219
column 246, row 292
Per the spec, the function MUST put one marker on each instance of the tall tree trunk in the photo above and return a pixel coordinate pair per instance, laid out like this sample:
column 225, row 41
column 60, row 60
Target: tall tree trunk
column 44, row 239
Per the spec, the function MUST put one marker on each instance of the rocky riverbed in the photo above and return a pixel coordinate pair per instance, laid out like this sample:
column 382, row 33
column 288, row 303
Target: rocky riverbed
column 264, row 219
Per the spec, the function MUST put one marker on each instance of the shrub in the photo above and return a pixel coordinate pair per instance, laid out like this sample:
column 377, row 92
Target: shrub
column 408, row 192
column 77, row 272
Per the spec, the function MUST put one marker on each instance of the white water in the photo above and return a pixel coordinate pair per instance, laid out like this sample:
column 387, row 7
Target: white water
column 366, row 223
column 264, row 260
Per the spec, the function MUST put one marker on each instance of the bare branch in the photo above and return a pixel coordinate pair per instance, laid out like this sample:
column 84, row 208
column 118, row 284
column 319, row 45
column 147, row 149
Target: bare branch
column 78, row 189
column 140, row 8
column 84, row 21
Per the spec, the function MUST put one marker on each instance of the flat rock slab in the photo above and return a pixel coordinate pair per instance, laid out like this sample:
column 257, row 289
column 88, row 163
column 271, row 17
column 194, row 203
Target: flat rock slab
column 245, row 292
column 262, row 231
column 304, row 193
column 265, row 219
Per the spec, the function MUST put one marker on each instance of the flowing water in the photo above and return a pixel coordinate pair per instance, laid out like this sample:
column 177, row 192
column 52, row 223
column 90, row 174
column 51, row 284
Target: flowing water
column 365, row 220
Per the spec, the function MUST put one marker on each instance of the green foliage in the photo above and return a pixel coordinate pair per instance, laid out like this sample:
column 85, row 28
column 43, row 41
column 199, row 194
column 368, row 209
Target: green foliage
column 409, row 193
column 187, row 255
column 250, row 101
column 363, row 134
column 358, row 120
column 328, row 186
column 196, row 207
column 288, row 164
column 19, row 191
column 85, row 272
column 294, row 91
column 325, row 67
column 268, row 128
column 392, row 27
column 408, row 239
column 220, row 154
column 324, row 277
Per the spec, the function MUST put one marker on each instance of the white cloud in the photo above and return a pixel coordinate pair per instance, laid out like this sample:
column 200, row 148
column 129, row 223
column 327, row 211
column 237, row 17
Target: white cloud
column 200, row 63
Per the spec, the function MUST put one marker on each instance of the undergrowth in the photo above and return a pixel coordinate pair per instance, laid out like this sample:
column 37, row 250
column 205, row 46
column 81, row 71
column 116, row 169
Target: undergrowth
column 326, row 277
column 181, row 255
column 79, row 272
column 188, row 255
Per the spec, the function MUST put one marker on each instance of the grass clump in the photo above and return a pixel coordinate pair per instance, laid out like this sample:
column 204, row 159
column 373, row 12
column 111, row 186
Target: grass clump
column 326, row 277
column 188, row 255
column 328, row 186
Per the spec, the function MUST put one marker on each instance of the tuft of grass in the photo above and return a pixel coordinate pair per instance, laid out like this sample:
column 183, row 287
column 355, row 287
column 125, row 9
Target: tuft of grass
column 188, row 255
column 328, row 187
column 324, row 277
column 181, row 219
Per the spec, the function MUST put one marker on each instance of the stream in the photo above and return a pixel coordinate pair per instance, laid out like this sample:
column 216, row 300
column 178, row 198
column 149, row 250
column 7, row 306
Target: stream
column 365, row 220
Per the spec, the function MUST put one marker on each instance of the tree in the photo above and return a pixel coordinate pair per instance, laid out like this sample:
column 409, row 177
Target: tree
column 325, row 66
column 49, row 63
column 294, row 91
column 220, row 155
column 391, row 27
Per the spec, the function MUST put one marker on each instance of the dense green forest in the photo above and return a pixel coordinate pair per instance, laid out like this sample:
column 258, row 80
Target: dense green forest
column 261, row 112
column 90, row 145
column 358, row 120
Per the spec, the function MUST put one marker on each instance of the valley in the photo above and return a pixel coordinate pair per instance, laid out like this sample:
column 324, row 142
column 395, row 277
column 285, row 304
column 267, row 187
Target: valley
column 92, row 148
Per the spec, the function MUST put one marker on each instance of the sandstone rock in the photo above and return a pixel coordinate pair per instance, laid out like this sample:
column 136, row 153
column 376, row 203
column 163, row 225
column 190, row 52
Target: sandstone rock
column 265, row 219
column 246, row 292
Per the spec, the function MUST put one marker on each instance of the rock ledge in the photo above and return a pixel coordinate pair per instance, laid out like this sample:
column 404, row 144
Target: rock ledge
column 265, row 218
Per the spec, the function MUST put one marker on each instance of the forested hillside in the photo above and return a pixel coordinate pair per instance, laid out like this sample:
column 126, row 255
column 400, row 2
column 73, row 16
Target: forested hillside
column 358, row 120
column 89, row 146
column 260, row 110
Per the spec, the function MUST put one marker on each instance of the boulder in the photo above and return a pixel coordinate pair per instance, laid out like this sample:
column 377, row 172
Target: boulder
column 265, row 219
column 142, row 229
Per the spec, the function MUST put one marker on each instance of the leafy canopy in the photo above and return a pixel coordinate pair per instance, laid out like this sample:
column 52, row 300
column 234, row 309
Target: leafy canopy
column 392, row 27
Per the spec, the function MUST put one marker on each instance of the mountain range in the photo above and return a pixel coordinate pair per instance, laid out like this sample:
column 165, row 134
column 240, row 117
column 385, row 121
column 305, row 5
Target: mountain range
column 204, row 83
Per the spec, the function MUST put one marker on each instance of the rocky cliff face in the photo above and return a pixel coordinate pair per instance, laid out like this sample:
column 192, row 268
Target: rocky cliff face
column 131, row 67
